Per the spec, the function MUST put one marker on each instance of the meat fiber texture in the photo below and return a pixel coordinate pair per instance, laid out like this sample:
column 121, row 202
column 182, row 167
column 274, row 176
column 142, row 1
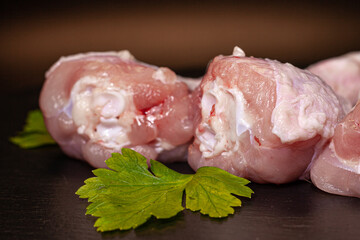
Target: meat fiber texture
column 342, row 74
column 337, row 169
column 262, row 119
column 97, row 103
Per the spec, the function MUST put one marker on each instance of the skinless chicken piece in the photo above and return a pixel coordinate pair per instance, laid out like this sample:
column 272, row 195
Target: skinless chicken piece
column 337, row 169
column 96, row 103
column 261, row 119
column 342, row 74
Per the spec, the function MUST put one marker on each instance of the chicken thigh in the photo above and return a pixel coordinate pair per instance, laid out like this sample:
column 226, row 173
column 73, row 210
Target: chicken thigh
column 337, row 169
column 96, row 103
column 342, row 74
column 261, row 119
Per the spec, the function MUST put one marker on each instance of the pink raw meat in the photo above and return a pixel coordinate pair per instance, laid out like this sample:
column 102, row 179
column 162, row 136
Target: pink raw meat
column 342, row 74
column 337, row 169
column 96, row 103
column 261, row 119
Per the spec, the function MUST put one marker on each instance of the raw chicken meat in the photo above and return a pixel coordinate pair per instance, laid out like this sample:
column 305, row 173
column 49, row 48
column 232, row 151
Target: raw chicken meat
column 261, row 119
column 337, row 169
column 96, row 103
column 342, row 74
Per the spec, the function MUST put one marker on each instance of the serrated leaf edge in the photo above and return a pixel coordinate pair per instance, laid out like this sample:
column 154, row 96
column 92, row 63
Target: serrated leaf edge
column 243, row 183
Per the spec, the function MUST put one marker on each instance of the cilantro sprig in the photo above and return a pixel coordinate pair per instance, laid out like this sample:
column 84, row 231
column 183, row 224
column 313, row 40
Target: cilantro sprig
column 34, row 133
column 129, row 194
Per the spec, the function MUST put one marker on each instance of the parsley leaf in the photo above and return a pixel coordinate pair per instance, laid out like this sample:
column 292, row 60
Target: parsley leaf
column 210, row 191
column 129, row 194
column 34, row 133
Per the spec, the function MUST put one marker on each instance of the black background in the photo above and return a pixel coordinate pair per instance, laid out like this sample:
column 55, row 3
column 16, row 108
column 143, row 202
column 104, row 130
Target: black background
column 37, row 187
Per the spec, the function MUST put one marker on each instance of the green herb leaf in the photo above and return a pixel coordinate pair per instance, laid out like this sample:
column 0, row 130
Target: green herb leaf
column 129, row 194
column 210, row 191
column 34, row 133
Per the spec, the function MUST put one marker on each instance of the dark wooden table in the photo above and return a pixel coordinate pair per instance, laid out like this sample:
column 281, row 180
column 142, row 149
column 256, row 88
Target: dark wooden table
column 38, row 201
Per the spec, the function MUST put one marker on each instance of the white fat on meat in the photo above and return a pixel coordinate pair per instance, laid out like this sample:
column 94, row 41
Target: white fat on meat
column 221, row 104
column 301, row 105
column 261, row 119
column 96, row 111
